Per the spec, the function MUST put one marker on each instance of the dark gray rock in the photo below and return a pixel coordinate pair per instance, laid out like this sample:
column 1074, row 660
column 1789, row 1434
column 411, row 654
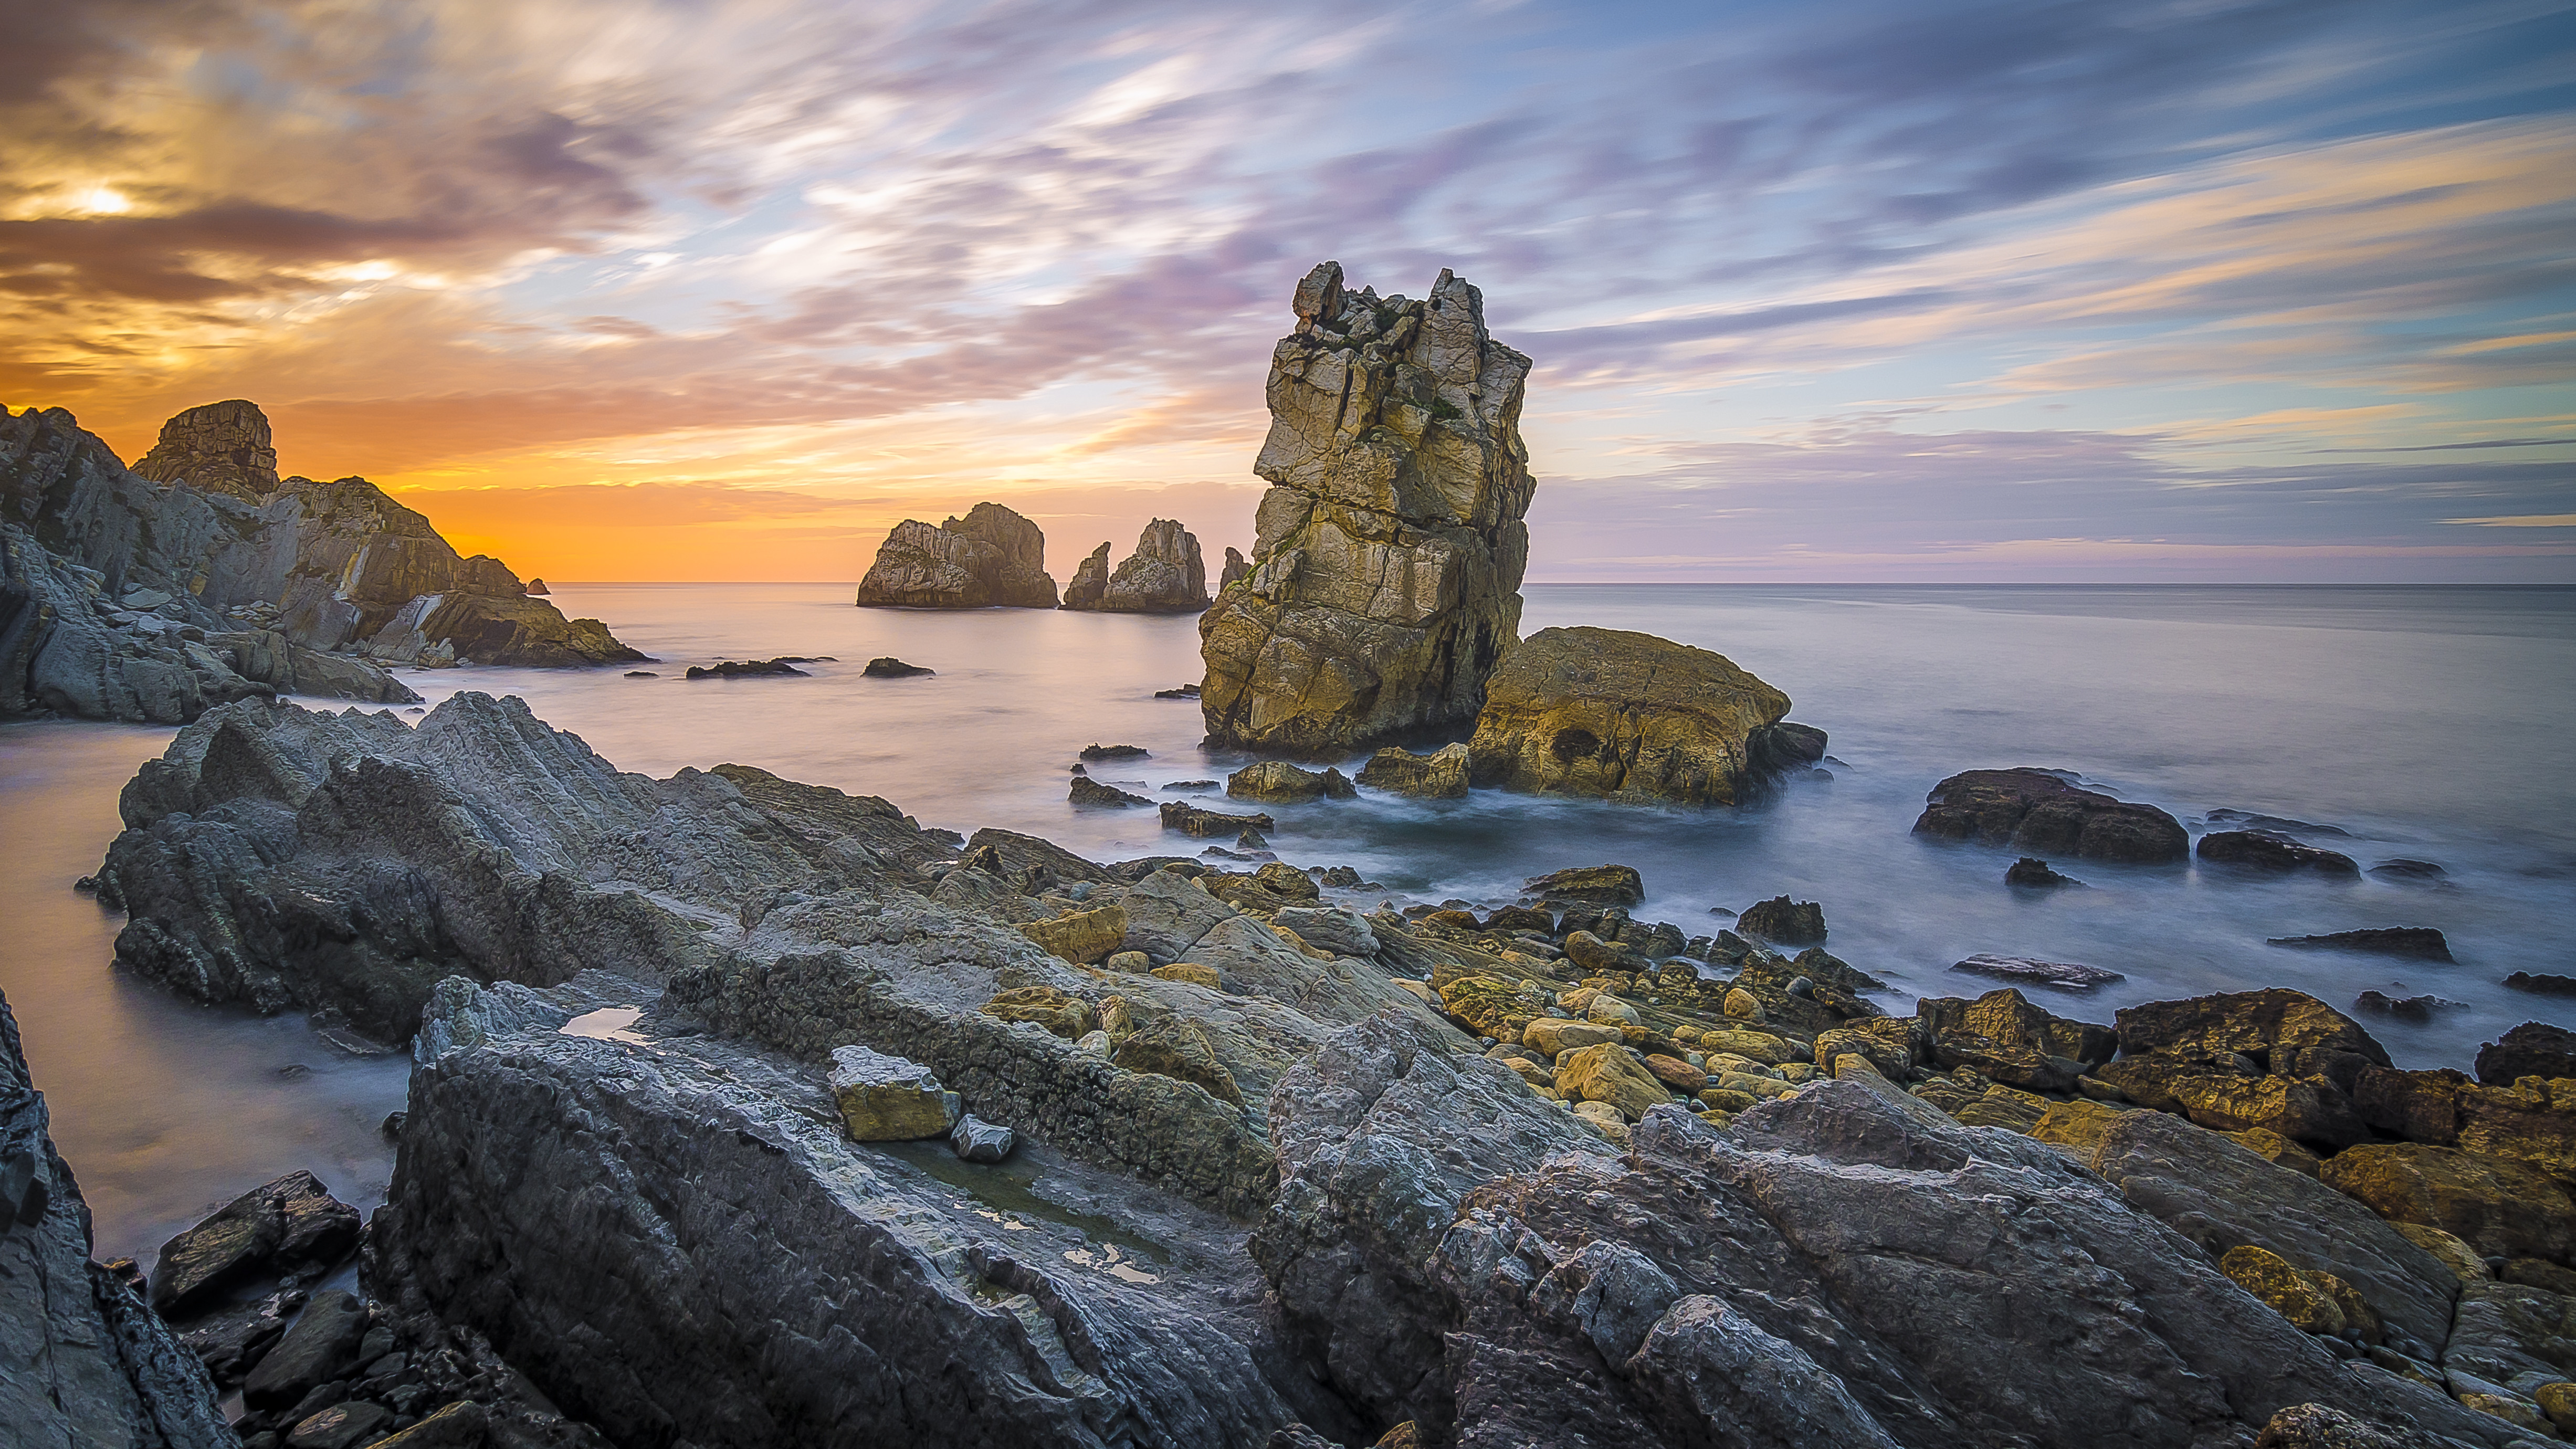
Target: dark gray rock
column 2034, row 873
column 976, row 1140
column 82, row 1360
column 277, row 1227
column 2533, row 1049
column 889, row 667
column 1791, row 923
column 1087, row 791
column 1848, row 1265
column 315, row 1351
column 2041, row 813
column 2068, row 975
column 2415, row 943
column 679, row 1244
column 2277, row 854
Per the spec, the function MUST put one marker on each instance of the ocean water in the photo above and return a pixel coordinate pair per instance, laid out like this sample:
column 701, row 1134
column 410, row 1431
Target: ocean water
column 2427, row 723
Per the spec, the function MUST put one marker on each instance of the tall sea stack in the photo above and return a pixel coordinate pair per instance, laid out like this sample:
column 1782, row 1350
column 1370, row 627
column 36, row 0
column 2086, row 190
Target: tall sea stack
column 1387, row 561
column 990, row 558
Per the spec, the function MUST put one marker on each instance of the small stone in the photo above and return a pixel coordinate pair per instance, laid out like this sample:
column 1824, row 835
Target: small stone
column 1095, row 1042
column 1743, row 1005
column 1191, row 972
column 2033, row 873
column 2558, row 1401
column 339, row 1426
column 1608, row 885
column 2284, row 1288
column 1081, row 937
column 1603, row 1118
column 1135, row 961
column 976, row 1140
column 1087, row 791
column 888, row 1099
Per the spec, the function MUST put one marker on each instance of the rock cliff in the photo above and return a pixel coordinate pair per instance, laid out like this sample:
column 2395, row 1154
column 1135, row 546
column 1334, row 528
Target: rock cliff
column 1622, row 715
column 991, row 558
column 155, row 595
column 82, row 1360
column 1389, row 549
column 1165, row 575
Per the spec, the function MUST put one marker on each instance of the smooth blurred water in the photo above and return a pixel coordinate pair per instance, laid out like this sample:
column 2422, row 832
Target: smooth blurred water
column 2431, row 723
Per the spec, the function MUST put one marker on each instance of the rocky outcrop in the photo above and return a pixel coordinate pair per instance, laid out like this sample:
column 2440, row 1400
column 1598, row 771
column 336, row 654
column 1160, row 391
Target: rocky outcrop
column 1440, row 775
column 2279, row 1060
column 1387, row 563
column 803, row 1289
column 82, row 1360
column 1236, row 567
column 991, row 558
column 220, row 447
column 1165, row 575
column 2039, row 812
column 1090, row 581
column 2274, row 853
column 1624, row 716
column 155, row 595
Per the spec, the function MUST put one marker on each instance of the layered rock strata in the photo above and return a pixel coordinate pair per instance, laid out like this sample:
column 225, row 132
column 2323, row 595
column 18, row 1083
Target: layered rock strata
column 991, row 558
column 1386, row 570
column 204, row 577
column 82, row 1360
column 1623, row 716
column 1165, row 575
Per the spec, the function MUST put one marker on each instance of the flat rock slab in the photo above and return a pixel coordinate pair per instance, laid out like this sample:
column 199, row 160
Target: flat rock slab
column 278, row 1225
column 2065, row 974
column 2415, row 943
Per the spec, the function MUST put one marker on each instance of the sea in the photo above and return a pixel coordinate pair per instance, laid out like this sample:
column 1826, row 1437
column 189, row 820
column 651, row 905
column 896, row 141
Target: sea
column 2423, row 723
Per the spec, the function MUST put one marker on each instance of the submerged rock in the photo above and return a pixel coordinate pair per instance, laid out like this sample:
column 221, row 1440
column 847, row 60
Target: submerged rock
column 2040, row 812
column 2418, row 943
column 2033, row 872
column 991, row 558
column 2409, row 870
column 87, row 1363
column 2067, row 974
column 1165, row 575
column 1621, row 715
column 1385, row 576
column 2541, row 983
column 2256, row 850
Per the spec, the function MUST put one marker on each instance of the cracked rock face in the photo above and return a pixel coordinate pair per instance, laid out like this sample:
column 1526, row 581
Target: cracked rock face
column 1385, row 576
column 219, row 448
column 82, row 1360
column 1165, row 575
column 990, row 558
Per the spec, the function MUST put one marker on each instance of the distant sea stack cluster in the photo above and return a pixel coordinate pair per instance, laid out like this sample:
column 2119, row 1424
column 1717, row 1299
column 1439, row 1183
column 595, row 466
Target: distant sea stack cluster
column 199, row 576
column 994, row 558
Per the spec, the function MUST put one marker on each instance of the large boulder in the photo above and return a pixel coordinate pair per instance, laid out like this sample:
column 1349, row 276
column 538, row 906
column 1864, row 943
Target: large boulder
column 1387, row 561
column 2038, row 812
column 291, row 1224
column 2011, row 1041
column 1440, row 775
column 2533, row 1049
column 82, row 1360
column 1623, row 716
column 2501, row 1207
column 1165, row 575
column 990, row 558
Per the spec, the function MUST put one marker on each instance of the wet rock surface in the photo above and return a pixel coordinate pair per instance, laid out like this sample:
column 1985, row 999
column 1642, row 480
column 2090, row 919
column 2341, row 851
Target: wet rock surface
column 286, row 1226
column 1440, row 775
column 2256, row 850
column 991, row 558
column 1386, row 570
column 2415, row 943
column 2042, row 813
column 82, row 1359
column 1624, row 716
column 2067, row 975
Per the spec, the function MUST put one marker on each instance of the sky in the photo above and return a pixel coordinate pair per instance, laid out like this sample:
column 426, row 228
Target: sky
column 1904, row 291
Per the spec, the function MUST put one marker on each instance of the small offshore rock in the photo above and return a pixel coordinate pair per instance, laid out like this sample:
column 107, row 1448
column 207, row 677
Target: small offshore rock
column 2541, row 983
column 975, row 1140
column 729, row 669
column 2067, row 974
column 991, row 558
column 1208, row 824
column 2416, row 943
column 886, row 666
column 642, row 674
column 888, row 1099
column 1087, row 791
column 1603, row 885
column 1791, row 923
column 1279, row 782
column 1191, row 785
column 1441, row 775
column 2255, row 850
column 2033, row 872
column 1097, row 753
column 2402, row 1008
column 2041, row 812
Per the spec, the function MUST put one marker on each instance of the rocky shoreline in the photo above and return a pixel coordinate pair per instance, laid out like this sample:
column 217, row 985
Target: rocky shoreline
column 1292, row 1166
